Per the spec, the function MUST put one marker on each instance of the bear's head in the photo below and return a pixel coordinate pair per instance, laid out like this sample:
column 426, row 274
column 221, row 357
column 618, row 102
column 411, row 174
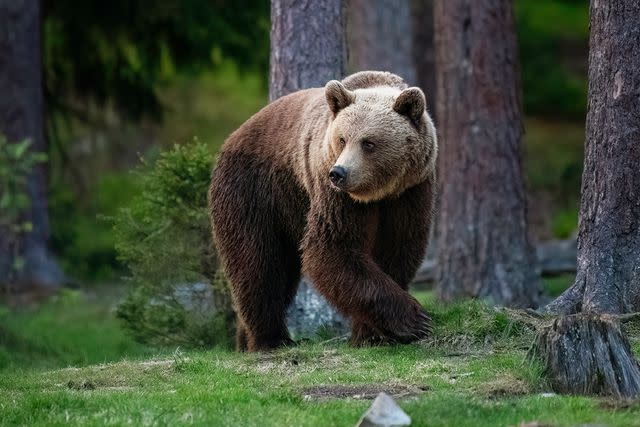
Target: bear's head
column 381, row 140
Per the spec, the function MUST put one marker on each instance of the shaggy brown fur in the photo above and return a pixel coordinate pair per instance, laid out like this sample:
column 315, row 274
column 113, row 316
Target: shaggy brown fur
column 275, row 212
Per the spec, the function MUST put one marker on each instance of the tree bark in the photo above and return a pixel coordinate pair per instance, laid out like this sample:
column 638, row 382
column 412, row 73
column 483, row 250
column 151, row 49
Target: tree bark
column 308, row 48
column 380, row 37
column 22, row 117
column 423, row 48
column 588, row 354
column 608, row 276
column 484, row 250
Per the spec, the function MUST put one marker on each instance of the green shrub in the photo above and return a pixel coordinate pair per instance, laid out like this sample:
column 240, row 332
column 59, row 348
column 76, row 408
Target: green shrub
column 164, row 238
column 16, row 163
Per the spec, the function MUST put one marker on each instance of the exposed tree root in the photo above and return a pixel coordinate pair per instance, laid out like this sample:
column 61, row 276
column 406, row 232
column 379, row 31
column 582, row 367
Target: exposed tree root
column 588, row 354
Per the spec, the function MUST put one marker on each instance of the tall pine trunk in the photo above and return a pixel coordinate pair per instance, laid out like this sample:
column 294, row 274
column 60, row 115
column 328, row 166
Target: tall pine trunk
column 22, row 117
column 308, row 48
column 608, row 276
column 423, row 48
column 483, row 248
column 380, row 37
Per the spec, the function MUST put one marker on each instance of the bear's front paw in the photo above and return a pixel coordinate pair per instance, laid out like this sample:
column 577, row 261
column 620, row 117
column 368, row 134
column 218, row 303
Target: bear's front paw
column 410, row 324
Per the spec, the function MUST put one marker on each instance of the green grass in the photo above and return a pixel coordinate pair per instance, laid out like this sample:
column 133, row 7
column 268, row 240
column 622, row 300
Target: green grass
column 73, row 329
column 474, row 373
column 223, row 388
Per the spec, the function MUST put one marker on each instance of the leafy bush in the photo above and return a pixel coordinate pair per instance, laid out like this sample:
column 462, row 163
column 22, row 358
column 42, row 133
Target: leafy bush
column 16, row 163
column 164, row 238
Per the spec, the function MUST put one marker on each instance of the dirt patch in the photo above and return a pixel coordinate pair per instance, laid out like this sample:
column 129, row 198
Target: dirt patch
column 504, row 386
column 618, row 404
column 81, row 385
column 361, row 391
column 292, row 363
column 166, row 363
column 534, row 424
column 89, row 385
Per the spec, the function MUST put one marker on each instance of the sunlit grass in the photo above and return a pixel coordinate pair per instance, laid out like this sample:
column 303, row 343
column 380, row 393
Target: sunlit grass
column 473, row 373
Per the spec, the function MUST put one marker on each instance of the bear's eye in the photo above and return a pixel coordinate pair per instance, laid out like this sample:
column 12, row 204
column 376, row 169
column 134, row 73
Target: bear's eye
column 368, row 144
column 342, row 141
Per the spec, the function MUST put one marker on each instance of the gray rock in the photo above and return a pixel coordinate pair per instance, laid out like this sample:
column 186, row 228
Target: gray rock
column 311, row 312
column 200, row 301
column 197, row 299
column 384, row 412
column 308, row 313
column 557, row 256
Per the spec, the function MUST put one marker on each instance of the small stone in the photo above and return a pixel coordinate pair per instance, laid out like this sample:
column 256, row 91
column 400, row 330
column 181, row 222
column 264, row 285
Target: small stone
column 384, row 412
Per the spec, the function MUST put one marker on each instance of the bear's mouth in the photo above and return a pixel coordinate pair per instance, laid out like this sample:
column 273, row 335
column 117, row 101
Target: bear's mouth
column 339, row 186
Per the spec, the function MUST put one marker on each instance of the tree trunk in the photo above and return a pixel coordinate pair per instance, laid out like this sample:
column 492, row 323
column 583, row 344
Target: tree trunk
column 587, row 353
column 22, row 117
column 608, row 276
column 380, row 37
column 590, row 355
column 483, row 248
column 424, row 54
column 308, row 48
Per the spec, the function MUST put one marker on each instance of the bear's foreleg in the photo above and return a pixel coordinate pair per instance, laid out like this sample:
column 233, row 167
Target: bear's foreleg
column 403, row 232
column 400, row 246
column 335, row 255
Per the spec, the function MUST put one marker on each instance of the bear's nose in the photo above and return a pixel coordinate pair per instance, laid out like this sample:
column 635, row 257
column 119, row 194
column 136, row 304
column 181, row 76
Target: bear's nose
column 338, row 175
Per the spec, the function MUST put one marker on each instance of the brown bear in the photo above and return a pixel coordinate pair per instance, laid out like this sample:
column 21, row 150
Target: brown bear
column 336, row 182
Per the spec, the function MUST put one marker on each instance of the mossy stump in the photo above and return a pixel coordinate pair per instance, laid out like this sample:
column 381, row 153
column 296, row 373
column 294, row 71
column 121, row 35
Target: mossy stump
column 588, row 354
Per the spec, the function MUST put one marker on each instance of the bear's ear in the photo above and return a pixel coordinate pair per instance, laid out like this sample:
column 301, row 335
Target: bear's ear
column 411, row 103
column 338, row 96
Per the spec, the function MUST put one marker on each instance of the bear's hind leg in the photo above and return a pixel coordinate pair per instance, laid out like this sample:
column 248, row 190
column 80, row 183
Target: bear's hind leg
column 241, row 336
column 264, row 282
column 259, row 255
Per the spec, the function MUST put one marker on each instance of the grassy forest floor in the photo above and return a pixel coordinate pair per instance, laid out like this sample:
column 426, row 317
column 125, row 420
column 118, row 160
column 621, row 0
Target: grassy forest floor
column 71, row 364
